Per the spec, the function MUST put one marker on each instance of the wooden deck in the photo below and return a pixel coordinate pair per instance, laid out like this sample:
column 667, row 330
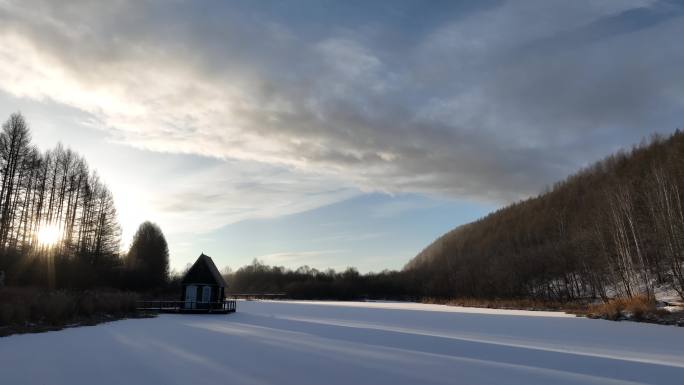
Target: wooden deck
column 221, row 307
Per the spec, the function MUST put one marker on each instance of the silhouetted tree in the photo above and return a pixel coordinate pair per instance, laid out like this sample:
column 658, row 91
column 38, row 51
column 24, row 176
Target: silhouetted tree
column 148, row 258
column 14, row 147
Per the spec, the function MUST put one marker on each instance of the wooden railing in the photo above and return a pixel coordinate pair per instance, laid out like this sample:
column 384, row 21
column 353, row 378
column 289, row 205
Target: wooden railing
column 257, row 295
column 225, row 306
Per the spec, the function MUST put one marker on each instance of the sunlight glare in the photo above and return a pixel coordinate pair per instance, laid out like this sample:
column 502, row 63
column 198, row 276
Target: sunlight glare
column 48, row 234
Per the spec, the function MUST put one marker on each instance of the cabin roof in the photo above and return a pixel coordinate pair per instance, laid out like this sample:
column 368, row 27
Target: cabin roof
column 204, row 270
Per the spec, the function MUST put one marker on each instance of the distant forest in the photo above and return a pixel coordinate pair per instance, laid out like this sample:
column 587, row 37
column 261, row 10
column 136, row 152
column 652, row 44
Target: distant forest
column 309, row 283
column 615, row 229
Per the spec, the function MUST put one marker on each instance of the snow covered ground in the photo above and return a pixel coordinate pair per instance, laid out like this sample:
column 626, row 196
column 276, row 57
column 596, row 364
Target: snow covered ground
column 349, row 343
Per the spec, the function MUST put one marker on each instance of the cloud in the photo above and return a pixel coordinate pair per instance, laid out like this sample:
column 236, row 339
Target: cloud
column 232, row 191
column 299, row 258
column 490, row 101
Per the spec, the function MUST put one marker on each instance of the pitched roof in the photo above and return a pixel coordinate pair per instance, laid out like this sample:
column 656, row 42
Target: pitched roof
column 203, row 269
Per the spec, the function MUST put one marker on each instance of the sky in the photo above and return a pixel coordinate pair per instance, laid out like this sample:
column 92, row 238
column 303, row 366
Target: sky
column 336, row 133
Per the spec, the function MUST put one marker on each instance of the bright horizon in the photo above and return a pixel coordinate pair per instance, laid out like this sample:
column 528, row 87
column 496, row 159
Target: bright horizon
column 342, row 135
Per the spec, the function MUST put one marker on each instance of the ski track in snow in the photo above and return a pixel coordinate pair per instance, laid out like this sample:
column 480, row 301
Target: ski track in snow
column 302, row 342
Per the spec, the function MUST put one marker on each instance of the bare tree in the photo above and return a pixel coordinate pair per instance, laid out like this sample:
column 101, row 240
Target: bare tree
column 56, row 190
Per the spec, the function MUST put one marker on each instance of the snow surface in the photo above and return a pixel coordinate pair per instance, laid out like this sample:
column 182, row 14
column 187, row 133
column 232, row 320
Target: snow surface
column 288, row 342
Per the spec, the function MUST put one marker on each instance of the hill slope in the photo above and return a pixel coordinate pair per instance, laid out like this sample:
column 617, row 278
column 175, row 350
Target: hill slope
column 615, row 228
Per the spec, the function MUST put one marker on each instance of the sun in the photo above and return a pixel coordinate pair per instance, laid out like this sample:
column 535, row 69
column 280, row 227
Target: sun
column 48, row 234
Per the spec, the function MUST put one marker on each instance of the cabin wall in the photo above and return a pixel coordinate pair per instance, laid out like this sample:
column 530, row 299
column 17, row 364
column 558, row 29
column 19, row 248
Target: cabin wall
column 217, row 292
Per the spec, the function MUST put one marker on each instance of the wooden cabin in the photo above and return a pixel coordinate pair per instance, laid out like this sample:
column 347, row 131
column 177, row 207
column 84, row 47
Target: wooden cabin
column 203, row 286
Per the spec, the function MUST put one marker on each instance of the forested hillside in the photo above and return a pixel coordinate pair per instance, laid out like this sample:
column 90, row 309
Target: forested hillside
column 613, row 229
column 53, row 196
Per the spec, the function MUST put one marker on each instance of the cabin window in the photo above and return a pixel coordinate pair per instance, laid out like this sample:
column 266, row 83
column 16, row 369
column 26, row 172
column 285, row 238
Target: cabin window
column 206, row 294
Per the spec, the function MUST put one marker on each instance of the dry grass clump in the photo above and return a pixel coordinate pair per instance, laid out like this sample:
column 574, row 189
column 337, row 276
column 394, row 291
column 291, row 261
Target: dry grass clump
column 33, row 308
column 109, row 302
column 637, row 307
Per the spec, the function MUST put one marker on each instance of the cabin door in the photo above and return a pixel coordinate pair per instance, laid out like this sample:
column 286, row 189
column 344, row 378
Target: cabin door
column 190, row 296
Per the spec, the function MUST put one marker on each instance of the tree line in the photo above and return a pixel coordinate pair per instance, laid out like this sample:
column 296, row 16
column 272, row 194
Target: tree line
column 614, row 229
column 310, row 283
column 58, row 221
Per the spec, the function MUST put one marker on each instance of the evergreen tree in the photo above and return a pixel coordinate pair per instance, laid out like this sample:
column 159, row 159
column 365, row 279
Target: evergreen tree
column 148, row 258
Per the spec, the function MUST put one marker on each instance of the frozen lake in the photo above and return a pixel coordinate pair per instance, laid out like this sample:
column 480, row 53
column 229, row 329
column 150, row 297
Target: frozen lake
column 349, row 343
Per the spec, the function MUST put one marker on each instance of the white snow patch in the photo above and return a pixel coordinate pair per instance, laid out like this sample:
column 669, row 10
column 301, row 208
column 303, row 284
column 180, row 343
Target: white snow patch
column 307, row 342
